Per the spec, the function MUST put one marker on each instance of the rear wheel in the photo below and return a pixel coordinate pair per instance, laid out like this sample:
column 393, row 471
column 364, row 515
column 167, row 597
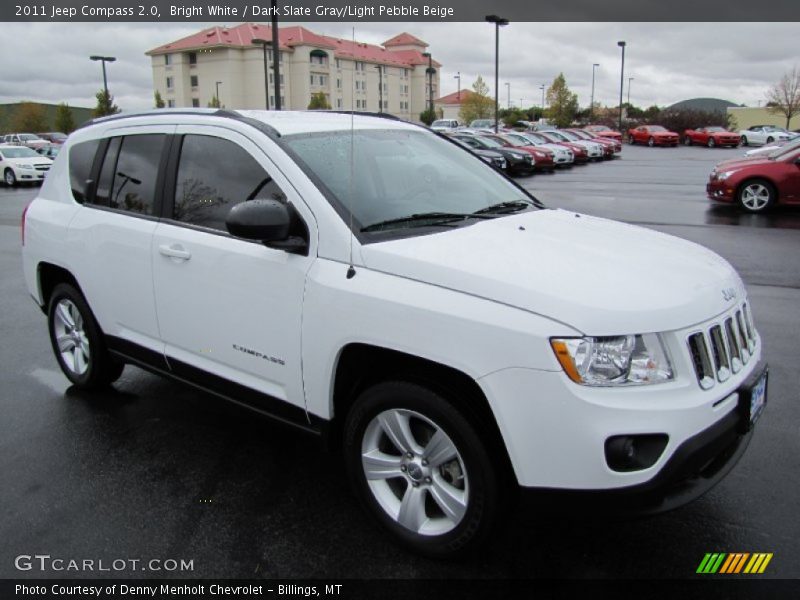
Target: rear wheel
column 10, row 178
column 420, row 468
column 78, row 342
column 770, row 139
column 744, row 140
column 711, row 143
column 756, row 195
column 631, row 141
column 651, row 142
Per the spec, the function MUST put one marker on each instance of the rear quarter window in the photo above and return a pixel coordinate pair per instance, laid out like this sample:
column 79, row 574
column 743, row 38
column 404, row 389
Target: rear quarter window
column 81, row 159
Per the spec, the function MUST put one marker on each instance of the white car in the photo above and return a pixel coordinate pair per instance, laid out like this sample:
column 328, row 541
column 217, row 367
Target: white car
column 593, row 149
column 445, row 125
column 19, row 164
column 25, row 139
column 758, row 135
column 779, row 147
column 562, row 156
column 380, row 288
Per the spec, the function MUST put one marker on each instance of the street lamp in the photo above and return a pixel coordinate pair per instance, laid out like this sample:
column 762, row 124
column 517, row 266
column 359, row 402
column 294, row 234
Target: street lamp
column 458, row 76
column 508, row 91
column 430, row 71
column 622, row 45
column 541, row 87
column 591, row 104
column 498, row 23
column 380, row 87
column 104, row 60
column 629, row 90
column 217, row 96
column 264, row 44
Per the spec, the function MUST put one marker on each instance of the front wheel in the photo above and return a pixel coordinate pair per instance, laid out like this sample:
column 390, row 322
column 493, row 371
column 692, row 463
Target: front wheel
column 78, row 342
column 10, row 178
column 711, row 142
column 687, row 141
column 651, row 142
column 631, row 140
column 744, row 140
column 770, row 140
column 756, row 195
column 420, row 468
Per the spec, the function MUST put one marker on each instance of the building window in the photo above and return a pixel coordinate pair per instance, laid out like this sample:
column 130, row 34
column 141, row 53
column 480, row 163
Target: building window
column 312, row 80
column 405, row 72
column 168, row 59
column 338, row 84
column 318, row 57
column 192, row 58
column 338, row 103
column 338, row 64
column 170, row 83
column 323, row 80
column 196, row 102
column 193, row 81
column 170, row 103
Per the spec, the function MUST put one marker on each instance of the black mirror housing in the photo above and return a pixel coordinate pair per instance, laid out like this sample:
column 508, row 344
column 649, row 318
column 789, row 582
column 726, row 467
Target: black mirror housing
column 263, row 220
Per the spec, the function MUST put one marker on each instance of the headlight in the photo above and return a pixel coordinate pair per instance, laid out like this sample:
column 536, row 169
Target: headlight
column 724, row 175
column 25, row 167
column 612, row 361
column 517, row 155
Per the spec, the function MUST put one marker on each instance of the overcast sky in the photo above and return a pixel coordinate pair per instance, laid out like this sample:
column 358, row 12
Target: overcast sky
column 668, row 61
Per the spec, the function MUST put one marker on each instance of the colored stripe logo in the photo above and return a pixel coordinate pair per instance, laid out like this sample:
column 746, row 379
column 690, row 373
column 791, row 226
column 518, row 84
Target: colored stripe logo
column 734, row 563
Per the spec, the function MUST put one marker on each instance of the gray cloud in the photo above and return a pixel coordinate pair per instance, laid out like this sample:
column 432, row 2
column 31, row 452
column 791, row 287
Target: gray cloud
column 668, row 61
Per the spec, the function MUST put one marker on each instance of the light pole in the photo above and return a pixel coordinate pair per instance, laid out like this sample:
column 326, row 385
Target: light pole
column 498, row 23
column 458, row 76
column 622, row 45
column 217, row 96
column 629, row 90
column 541, row 87
column 380, row 87
column 104, row 60
column 430, row 71
column 591, row 103
column 508, row 91
column 264, row 44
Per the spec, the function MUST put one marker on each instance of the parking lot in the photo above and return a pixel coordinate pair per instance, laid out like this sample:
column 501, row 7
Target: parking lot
column 157, row 470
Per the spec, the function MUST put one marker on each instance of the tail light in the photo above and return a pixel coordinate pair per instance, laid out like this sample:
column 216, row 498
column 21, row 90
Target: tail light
column 22, row 225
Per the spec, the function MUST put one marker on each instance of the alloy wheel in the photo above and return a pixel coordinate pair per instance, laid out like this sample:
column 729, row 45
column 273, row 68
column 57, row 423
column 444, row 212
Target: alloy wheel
column 73, row 343
column 756, row 196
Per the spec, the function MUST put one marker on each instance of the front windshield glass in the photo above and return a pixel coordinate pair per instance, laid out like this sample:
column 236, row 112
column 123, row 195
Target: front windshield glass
column 28, row 137
column 489, row 142
column 399, row 173
column 785, row 149
column 715, row 129
column 18, row 152
column 656, row 128
column 440, row 123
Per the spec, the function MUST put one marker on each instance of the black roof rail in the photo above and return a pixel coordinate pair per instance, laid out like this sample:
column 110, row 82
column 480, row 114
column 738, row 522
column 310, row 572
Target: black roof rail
column 362, row 113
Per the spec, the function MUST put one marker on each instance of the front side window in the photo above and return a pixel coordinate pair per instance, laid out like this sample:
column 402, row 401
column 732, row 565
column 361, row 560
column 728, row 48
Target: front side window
column 81, row 158
column 193, row 80
column 399, row 173
column 214, row 175
column 128, row 175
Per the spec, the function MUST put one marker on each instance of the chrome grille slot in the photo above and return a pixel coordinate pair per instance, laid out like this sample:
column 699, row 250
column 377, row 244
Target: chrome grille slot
column 719, row 351
column 751, row 330
column 701, row 360
column 742, row 337
column 733, row 345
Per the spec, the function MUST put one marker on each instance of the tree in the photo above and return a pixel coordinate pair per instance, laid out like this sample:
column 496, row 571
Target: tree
column 64, row 121
column 158, row 99
column 477, row 105
column 105, row 105
column 215, row 103
column 563, row 103
column 427, row 116
column 784, row 96
column 513, row 116
column 29, row 116
column 319, row 101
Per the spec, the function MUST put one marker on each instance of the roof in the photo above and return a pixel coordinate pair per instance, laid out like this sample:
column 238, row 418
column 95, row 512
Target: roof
column 404, row 39
column 454, row 98
column 241, row 36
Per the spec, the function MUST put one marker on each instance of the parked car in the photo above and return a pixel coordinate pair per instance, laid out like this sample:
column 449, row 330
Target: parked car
column 578, row 150
column 543, row 157
column 50, row 151
column 25, row 139
column 614, row 144
column 20, row 164
column 758, row 183
column 652, row 135
column 758, row 135
column 595, row 150
column 517, row 161
column 604, row 131
column 496, row 159
column 54, row 137
column 563, row 157
column 444, row 125
column 420, row 314
column 711, row 137
column 774, row 147
column 482, row 124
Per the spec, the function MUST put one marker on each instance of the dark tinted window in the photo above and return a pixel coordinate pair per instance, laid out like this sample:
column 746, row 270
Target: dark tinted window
column 213, row 176
column 134, row 177
column 106, row 178
column 81, row 157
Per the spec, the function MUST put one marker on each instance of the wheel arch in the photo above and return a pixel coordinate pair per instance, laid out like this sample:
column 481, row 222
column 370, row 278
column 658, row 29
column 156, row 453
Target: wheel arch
column 48, row 276
column 361, row 365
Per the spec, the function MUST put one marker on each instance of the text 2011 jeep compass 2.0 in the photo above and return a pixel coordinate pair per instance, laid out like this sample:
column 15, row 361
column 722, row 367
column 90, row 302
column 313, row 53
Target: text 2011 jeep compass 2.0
column 367, row 280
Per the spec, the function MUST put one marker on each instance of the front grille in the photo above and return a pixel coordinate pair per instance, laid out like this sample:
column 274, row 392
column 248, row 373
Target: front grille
column 42, row 167
column 723, row 347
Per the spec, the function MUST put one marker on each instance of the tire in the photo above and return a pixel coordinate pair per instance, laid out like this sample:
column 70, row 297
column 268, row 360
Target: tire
column 687, row 141
column 770, row 139
column 9, row 178
column 711, row 143
column 651, row 142
column 631, row 140
column 744, row 140
column 442, row 510
column 78, row 342
column 756, row 195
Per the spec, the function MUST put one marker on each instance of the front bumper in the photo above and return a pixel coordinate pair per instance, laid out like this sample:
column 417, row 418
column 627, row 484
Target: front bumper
column 28, row 175
column 720, row 191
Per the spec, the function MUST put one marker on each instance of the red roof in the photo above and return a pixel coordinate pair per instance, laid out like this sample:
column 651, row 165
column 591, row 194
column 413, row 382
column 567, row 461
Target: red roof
column 242, row 36
column 454, row 98
column 404, row 39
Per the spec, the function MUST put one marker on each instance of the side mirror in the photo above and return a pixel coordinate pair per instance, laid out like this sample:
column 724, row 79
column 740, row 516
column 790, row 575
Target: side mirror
column 267, row 221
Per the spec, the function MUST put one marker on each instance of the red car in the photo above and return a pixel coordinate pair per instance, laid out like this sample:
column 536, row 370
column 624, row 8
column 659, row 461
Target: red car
column 611, row 146
column 757, row 184
column 711, row 137
column 653, row 135
column 543, row 159
column 604, row 131
column 581, row 155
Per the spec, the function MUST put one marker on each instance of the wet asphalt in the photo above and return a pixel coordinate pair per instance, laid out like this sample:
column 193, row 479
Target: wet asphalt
column 157, row 470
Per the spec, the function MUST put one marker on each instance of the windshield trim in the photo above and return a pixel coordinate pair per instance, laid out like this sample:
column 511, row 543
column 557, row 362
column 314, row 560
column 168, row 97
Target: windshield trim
column 366, row 238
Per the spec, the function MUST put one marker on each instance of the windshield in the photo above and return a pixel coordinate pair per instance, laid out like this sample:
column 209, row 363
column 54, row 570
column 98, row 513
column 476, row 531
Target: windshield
column 28, row 137
column 399, row 173
column 482, row 123
column 536, row 139
column 785, row 149
column 655, row 128
column 488, row 142
column 441, row 123
column 716, row 129
column 18, row 152
column 598, row 128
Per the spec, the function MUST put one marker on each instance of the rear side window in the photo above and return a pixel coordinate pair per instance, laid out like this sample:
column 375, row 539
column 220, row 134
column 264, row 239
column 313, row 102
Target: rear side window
column 214, row 175
column 81, row 158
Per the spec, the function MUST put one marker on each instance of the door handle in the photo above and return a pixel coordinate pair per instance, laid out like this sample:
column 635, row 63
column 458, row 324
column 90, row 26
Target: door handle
column 175, row 251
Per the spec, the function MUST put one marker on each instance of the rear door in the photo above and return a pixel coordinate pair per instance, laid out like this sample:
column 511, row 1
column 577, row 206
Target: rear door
column 229, row 309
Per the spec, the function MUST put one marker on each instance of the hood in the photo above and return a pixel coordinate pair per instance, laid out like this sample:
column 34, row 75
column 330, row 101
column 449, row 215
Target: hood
column 598, row 276
column 746, row 161
column 662, row 133
column 30, row 161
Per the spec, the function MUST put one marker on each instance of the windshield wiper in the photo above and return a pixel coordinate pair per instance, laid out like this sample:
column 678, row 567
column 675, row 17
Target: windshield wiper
column 434, row 218
column 505, row 207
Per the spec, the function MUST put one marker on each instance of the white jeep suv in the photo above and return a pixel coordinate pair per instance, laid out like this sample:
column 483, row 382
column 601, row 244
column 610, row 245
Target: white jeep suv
column 371, row 282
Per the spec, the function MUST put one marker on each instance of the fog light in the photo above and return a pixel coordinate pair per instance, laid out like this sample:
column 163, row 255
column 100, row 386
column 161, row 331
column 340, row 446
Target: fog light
column 625, row 453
